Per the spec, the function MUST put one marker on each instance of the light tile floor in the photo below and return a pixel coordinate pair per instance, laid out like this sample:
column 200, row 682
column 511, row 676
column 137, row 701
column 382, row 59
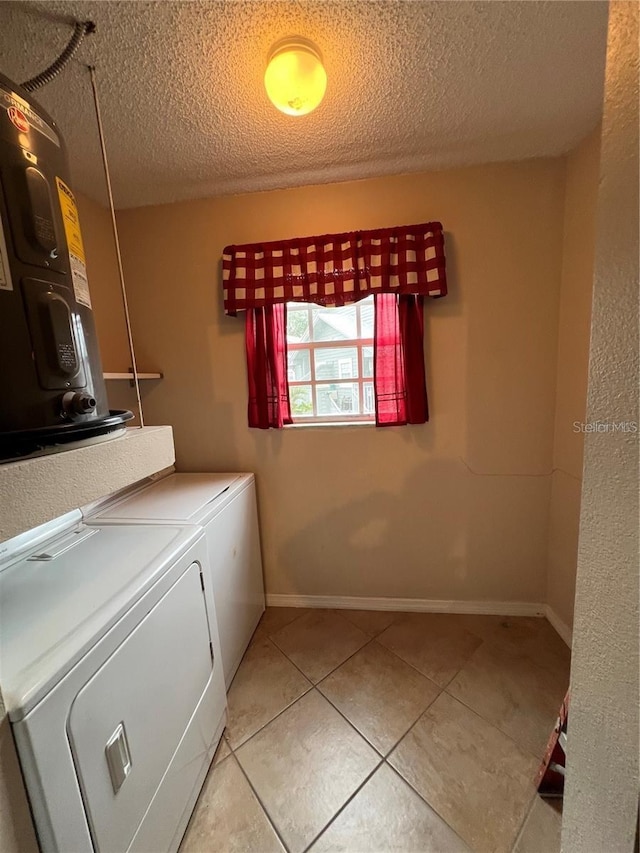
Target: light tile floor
column 372, row 732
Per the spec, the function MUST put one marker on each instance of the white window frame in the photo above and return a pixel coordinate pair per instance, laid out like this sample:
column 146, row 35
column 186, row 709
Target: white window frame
column 313, row 347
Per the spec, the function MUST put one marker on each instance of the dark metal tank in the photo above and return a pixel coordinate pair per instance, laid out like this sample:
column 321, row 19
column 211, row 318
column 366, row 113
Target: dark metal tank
column 51, row 386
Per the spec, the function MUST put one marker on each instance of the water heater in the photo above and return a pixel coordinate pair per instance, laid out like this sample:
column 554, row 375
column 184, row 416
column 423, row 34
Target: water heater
column 52, row 390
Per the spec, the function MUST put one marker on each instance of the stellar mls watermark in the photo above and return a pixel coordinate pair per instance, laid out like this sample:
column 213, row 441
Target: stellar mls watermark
column 605, row 426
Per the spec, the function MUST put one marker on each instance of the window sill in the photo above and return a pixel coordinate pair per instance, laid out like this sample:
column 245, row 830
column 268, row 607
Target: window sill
column 332, row 424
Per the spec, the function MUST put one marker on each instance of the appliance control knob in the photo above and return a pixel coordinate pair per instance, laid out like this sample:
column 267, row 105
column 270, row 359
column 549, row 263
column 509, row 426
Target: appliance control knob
column 77, row 403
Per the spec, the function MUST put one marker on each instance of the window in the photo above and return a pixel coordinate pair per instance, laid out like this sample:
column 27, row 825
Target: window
column 330, row 362
column 321, row 360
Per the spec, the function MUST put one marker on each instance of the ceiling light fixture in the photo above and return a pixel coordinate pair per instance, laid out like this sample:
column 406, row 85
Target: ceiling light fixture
column 295, row 78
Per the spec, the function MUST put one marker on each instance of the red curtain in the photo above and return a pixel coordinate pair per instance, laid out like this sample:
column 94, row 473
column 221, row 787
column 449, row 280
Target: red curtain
column 399, row 376
column 336, row 269
column 266, row 342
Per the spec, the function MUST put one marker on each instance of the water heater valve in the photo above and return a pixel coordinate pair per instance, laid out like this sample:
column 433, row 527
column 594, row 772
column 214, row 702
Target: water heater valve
column 76, row 403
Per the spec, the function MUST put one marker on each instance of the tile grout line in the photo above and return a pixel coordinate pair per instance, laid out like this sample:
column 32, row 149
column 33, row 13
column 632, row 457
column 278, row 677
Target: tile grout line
column 407, row 782
column 441, row 688
column 383, row 756
column 427, row 803
column 344, row 805
column 311, row 687
column 408, row 663
column 304, row 611
column 384, row 759
column 422, row 797
column 347, row 720
column 369, row 637
column 526, row 749
column 378, row 755
column 523, row 822
column 260, row 803
column 414, row 723
column 314, row 686
column 315, row 683
column 397, row 613
column 275, row 717
column 398, row 772
column 484, row 641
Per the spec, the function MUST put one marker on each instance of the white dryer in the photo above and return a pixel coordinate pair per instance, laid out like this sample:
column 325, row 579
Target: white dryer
column 225, row 506
column 112, row 679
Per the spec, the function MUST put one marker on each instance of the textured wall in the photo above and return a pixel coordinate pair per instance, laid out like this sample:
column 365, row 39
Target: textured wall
column 601, row 802
column 33, row 491
column 573, row 355
column 456, row 509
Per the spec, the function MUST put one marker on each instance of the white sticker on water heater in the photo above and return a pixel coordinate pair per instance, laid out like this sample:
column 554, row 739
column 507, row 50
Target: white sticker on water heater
column 79, row 280
column 5, row 270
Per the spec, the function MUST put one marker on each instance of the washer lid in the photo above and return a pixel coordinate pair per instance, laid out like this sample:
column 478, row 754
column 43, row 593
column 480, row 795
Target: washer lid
column 59, row 600
column 179, row 496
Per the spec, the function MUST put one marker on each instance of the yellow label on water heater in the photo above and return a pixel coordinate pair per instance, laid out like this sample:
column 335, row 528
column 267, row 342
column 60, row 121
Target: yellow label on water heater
column 71, row 220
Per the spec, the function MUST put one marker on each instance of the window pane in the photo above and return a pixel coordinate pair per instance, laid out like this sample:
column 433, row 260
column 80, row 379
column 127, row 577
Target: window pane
column 330, row 372
column 335, row 324
column 337, row 400
column 299, row 365
column 367, row 361
column 336, row 362
column 301, row 401
column 297, row 323
column 366, row 317
column 368, row 400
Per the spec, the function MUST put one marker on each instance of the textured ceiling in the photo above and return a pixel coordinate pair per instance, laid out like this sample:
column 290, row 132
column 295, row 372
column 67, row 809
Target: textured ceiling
column 411, row 86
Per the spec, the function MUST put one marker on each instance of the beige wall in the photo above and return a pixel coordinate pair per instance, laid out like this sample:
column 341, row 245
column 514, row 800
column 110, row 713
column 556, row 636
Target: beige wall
column 106, row 299
column 456, row 509
column 571, row 389
column 601, row 797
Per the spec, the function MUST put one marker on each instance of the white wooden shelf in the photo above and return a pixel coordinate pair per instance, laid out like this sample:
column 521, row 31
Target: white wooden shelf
column 129, row 376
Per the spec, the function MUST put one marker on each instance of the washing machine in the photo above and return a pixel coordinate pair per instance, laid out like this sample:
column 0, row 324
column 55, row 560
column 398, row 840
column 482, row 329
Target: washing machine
column 225, row 506
column 112, row 680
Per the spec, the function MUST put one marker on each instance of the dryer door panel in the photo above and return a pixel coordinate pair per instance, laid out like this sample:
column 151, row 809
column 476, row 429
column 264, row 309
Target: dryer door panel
column 127, row 721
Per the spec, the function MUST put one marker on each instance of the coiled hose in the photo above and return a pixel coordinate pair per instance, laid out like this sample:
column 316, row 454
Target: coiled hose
column 80, row 30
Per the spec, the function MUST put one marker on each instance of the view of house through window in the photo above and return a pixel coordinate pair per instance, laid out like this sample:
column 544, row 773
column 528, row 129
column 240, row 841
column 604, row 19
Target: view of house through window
column 330, row 362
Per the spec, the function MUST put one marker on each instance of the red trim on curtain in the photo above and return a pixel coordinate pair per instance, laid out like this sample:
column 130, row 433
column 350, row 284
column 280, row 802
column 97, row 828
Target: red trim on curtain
column 336, row 269
column 266, row 342
column 411, row 311
column 399, row 375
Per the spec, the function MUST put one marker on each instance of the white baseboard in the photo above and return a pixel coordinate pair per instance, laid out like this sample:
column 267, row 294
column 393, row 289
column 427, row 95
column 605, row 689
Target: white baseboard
column 418, row 605
column 561, row 627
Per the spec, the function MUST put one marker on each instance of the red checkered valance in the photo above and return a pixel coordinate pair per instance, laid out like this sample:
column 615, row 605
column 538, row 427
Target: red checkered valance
column 335, row 269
